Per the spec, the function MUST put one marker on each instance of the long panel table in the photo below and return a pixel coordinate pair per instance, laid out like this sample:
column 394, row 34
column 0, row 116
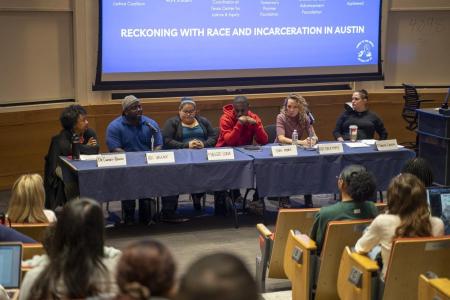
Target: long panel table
column 306, row 173
column 312, row 173
column 192, row 173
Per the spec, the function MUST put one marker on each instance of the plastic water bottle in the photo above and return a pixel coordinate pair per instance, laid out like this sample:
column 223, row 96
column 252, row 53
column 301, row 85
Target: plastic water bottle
column 295, row 138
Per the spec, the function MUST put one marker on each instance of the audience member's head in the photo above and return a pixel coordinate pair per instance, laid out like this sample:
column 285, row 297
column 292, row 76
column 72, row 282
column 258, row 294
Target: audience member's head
column 218, row 276
column 421, row 169
column 355, row 181
column 74, row 118
column 407, row 198
column 27, row 200
column 75, row 250
column 146, row 269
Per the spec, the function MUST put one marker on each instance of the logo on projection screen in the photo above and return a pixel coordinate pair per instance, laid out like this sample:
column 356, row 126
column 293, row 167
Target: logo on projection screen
column 365, row 51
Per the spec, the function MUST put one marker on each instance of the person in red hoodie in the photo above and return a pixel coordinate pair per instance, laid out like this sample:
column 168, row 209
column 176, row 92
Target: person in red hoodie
column 239, row 126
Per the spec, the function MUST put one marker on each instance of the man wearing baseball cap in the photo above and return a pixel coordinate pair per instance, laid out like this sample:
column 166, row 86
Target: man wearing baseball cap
column 133, row 132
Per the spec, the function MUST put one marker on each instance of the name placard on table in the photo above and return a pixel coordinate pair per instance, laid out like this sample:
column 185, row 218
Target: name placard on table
column 387, row 145
column 111, row 160
column 282, row 151
column 331, row 148
column 220, row 154
column 163, row 157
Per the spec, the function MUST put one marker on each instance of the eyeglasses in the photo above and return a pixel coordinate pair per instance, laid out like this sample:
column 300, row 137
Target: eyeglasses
column 188, row 112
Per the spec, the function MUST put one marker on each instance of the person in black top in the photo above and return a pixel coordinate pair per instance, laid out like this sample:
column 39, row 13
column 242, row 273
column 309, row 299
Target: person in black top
column 368, row 122
column 186, row 130
column 75, row 125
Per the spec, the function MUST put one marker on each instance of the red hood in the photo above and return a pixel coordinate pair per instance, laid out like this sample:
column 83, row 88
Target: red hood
column 228, row 110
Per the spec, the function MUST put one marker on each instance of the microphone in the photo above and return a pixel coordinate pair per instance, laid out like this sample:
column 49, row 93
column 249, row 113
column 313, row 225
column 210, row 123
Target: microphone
column 311, row 117
column 153, row 128
column 444, row 107
column 152, row 139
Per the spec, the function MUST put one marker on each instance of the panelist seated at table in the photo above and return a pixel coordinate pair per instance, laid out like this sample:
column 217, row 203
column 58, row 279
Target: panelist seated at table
column 295, row 115
column 186, row 130
column 240, row 127
column 133, row 132
column 359, row 114
column 75, row 127
column 356, row 186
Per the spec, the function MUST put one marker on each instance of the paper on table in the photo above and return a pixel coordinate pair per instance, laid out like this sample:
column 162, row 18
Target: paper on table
column 368, row 142
column 356, row 145
column 88, row 157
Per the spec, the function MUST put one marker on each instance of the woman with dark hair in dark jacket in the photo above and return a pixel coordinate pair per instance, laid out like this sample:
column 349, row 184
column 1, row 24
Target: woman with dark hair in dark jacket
column 75, row 125
column 187, row 130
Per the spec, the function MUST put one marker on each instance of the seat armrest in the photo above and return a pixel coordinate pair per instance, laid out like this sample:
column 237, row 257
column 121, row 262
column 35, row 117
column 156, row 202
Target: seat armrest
column 355, row 276
column 365, row 262
column 263, row 230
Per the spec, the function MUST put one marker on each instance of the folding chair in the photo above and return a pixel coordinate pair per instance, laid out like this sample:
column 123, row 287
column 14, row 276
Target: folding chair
column 409, row 258
column 273, row 244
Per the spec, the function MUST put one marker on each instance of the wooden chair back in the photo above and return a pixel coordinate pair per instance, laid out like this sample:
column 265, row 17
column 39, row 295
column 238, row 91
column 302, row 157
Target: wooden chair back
column 339, row 235
column 436, row 288
column 298, row 264
column 411, row 257
column 34, row 231
column 300, row 219
column 29, row 250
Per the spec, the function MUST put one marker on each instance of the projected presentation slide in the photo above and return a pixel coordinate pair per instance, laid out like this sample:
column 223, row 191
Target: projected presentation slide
column 214, row 35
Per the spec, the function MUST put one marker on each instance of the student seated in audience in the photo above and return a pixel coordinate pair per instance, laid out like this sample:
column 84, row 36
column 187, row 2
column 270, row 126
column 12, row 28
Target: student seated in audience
column 219, row 276
column 294, row 115
column 26, row 204
column 421, row 169
column 359, row 114
column 146, row 270
column 356, row 186
column 8, row 234
column 78, row 265
column 186, row 130
column 239, row 127
column 408, row 215
column 75, row 126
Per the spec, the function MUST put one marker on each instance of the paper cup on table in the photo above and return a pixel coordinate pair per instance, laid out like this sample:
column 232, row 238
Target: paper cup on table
column 353, row 132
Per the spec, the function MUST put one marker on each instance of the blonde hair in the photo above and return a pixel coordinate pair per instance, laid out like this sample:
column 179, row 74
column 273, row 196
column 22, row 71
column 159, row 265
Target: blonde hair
column 27, row 200
column 302, row 105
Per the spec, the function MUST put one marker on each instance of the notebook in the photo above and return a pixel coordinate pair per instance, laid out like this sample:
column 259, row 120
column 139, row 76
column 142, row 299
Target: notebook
column 439, row 201
column 10, row 267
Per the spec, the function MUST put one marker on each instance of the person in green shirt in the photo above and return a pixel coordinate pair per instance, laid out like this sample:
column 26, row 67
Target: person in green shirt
column 356, row 185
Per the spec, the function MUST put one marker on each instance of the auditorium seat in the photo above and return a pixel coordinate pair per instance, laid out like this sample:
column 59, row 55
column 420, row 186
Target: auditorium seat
column 316, row 275
column 433, row 288
column 273, row 244
column 32, row 249
column 34, row 231
column 409, row 258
